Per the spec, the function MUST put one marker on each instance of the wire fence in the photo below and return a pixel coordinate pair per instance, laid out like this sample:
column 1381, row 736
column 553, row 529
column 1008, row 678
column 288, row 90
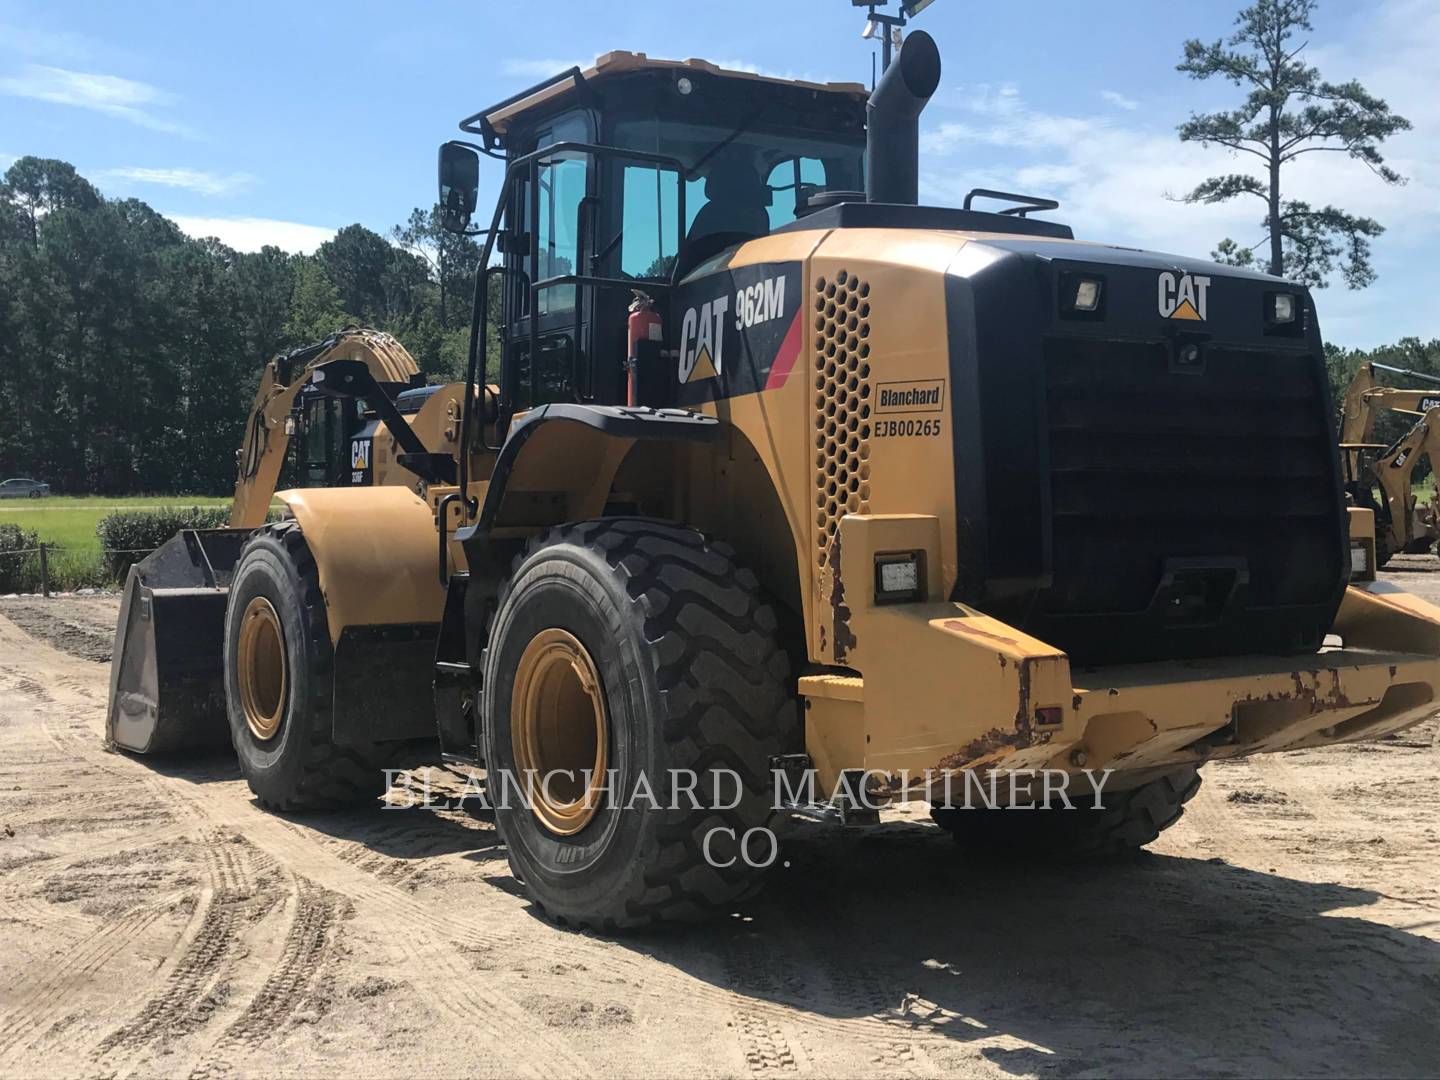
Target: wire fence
column 30, row 569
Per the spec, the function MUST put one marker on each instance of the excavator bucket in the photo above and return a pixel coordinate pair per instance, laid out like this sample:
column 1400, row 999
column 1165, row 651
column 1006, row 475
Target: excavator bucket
column 167, row 681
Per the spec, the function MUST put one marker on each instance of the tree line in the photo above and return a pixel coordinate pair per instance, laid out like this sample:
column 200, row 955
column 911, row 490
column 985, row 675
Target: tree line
column 130, row 352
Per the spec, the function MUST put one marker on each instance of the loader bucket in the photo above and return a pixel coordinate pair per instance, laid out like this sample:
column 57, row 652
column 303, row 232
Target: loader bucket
column 167, row 682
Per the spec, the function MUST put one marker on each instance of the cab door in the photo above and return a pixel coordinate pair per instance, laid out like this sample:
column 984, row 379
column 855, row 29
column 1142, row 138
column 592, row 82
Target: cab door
column 552, row 236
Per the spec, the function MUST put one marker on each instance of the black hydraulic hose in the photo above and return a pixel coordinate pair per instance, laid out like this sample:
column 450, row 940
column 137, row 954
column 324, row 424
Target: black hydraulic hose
column 1421, row 375
column 257, row 439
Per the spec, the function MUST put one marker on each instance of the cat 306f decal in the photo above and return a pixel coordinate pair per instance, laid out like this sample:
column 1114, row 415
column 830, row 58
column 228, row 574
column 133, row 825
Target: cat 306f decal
column 740, row 332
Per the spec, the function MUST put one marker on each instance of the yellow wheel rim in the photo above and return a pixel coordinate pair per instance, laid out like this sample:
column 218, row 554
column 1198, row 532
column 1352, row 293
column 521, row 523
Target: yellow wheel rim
column 558, row 731
column 261, row 673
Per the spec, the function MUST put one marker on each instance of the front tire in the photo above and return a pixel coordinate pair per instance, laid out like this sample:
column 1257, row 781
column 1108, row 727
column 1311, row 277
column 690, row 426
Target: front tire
column 639, row 647
column 278, row 690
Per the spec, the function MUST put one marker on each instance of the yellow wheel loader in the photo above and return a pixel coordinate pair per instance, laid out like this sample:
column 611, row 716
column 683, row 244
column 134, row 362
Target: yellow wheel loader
column 1379, row 476
column 789, row 478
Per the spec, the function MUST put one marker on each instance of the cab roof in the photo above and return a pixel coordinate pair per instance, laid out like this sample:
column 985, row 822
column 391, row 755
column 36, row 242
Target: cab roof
column 497, row 119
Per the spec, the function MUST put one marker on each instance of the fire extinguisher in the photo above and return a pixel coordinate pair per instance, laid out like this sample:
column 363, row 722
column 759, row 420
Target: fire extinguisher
column 644, row 324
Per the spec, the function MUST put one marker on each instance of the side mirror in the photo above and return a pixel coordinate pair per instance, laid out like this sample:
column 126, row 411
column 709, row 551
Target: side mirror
column 459, row 185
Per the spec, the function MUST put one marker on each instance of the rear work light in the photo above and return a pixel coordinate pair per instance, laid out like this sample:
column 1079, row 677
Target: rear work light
column 1281, row 308
column 1082, row 296
column 899, row 576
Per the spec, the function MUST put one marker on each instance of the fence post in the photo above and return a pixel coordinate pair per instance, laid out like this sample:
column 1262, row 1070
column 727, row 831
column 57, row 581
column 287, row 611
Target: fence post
column 44, row 573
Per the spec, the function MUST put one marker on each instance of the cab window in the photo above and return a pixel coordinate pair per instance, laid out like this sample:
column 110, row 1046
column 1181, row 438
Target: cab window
column 740, row 183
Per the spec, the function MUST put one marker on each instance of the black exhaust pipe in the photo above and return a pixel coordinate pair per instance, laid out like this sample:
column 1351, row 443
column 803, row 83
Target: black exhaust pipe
column 892, row 122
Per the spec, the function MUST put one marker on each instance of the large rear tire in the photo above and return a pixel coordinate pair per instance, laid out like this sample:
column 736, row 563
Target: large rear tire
column 1127, row 822
column 639, row 647
column 278, row 689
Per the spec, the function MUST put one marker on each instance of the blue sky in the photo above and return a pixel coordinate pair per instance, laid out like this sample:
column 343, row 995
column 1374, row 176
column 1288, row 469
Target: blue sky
column 265, row 122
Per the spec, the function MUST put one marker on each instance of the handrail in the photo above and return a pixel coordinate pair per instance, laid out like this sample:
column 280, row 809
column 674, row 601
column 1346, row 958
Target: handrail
column 1028, row 203
column 478, row 124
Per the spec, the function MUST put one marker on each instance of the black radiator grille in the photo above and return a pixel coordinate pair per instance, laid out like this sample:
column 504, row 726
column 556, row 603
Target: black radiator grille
column 1148, row 465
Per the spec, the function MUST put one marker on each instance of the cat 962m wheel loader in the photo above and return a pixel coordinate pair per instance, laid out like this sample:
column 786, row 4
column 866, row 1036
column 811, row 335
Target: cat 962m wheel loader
column 786, row 470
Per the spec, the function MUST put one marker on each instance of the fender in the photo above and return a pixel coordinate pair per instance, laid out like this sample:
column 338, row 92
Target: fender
column 559, row 460
column 374, row 549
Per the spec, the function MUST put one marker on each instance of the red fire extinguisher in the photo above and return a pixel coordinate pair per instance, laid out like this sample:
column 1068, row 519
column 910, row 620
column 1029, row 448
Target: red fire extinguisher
column 644, row 325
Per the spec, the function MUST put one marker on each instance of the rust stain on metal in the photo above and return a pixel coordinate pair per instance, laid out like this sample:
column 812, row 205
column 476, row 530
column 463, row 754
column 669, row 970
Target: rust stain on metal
column 844, row 637
column 992, row 742
column 958, row 625
column 1022, row 714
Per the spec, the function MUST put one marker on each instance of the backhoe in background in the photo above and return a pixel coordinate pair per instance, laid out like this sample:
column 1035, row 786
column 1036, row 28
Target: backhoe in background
column 788, row 476
column 174, row 601
column 1379, row 476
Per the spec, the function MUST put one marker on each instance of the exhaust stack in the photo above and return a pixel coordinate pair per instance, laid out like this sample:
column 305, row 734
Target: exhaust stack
column 892, row 122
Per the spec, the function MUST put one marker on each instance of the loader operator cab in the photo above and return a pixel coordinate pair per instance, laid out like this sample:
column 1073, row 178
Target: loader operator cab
column 659, row 166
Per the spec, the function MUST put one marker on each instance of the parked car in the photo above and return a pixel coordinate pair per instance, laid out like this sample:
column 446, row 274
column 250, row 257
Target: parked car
column 23, row 489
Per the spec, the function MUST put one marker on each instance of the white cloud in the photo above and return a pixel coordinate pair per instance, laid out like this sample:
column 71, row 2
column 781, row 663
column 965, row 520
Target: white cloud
column 251, row 234
column 125, row 99
column 197, row 180
column 1119, row 100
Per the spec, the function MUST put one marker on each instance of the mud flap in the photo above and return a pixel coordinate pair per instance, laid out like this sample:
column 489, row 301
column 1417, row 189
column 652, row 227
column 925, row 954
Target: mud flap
column 167, row 680
column 382, row 683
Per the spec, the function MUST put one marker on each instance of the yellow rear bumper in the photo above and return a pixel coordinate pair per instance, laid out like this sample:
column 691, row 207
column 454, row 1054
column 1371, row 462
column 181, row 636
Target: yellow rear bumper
column 942, row 687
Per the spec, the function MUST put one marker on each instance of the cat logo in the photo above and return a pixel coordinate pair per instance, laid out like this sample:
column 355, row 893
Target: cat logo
column 702, row 341
column 360, row 454
column 1182, row 296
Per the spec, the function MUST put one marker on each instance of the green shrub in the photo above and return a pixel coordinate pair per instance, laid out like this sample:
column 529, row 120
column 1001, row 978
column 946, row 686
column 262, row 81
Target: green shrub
column 19, row 565
column 129, row 535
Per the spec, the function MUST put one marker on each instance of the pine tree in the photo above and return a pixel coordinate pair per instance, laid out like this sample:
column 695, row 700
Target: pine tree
column 1289, row 111
column 315, row 308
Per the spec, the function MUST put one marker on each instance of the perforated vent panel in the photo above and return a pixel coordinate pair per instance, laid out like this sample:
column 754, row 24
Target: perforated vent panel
column 842, row 404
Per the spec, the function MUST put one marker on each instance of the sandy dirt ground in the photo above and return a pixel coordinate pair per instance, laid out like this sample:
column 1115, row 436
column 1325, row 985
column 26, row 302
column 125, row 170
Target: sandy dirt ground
column 154, row 921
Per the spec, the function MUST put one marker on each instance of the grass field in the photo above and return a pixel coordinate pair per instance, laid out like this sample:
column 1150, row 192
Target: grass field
column 68, row 521
column 66, row 524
